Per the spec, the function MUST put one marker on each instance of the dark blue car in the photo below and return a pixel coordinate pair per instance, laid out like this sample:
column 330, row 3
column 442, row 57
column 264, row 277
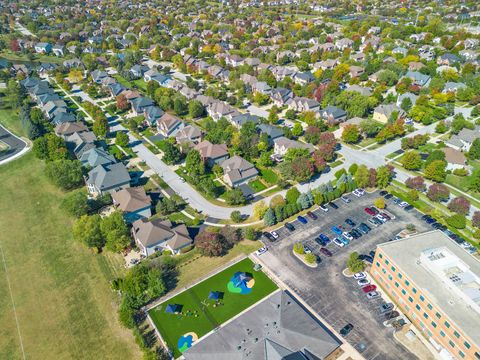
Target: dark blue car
column 324, row 239
column 302, row 219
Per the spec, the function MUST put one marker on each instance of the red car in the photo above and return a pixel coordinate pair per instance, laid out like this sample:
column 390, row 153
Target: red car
column 368, row 288
column 369, row 211
column 326, row 252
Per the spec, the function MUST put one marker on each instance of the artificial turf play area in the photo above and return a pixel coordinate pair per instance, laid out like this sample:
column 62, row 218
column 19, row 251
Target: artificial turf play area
column 193, row 313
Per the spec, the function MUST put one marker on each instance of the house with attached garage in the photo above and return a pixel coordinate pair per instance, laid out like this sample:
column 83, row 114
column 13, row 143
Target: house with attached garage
column 98, row 76
column 137, row 71
column 96, row 156
column 418, row 78
column 160, row 235
column 63, row 117
column 107, row 179
column 333, row 114
column 152, row 114
column 80, row 142
column 43, row 48
column 283, row 144
column 134, row 203
column 464, row 139
column 189, row 135
column 383, row 112
column 455, row 159
column 59, row 50
column 271, row 131
column 64, row 130
column 169, row 125
column 238, row 171
column 140, row 104
column 280, row 96
column 302, row 104
column 239, row 120
column 212, row 153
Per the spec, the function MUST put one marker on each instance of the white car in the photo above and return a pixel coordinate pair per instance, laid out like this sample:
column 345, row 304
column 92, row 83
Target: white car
column 274, row 234
column 347, row 235
column 338, row 242
column 261, row 251
column 381, row 218
column 358, row 192
column 372, row 295
column 359, row 276
column 403, row 204
column 465, row 245
column 363, row 282
column 323, row 208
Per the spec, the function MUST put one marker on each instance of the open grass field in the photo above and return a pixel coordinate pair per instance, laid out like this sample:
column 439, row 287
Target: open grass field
column 10, row 119
column 64, row 305
column 198, row 313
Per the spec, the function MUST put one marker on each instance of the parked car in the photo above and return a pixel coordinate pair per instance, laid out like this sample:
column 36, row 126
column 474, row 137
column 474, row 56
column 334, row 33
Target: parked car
column 338, row 242
column 408, row 208
column 349, row 222
column 346, row 330
column 344, row 240
column 383, row 193
column 386, row 307
column 302, row 219
column 360, row 191
column 261, row 251
column 364, row 228
column 307, row 249
column 397, row 201
column 403, row 204
column 323, row 208
column 381, row 218
column 386, row 216
column 373, row 222
column 391, row 315
column 336, row 230
column 269, row 236
column 333, row 205
column 368, row 288
column 372, row 253
column 289, row 227
column 324, row 238
column 347, row 235
column 274, row 234
column 369, row 211
column 326, row 252
column 377, row 221
column 359, row 275
column 355, row 233
column 388, row 196
column 345, row 199
column 363, row 282
column 312, row 216
column 366, row 258
column 372, row 295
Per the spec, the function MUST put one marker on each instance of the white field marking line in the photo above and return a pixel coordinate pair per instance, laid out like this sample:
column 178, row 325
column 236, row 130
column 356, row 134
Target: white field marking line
column 13, row 303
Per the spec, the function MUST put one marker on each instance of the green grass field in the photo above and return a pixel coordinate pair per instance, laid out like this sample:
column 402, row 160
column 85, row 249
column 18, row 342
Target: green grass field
column 10, row 119
column 173, row 326
column 64, row 304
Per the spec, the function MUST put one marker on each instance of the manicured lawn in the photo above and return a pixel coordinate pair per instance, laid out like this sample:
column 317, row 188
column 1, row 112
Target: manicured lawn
column 269, row 176
column 198, row 313
column 257, row 185
column 64, row 303
column 123, row 81
column 10, row 119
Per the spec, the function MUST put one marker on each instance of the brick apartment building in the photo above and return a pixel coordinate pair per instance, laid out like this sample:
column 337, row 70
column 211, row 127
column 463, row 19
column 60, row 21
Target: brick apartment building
column 436, row 284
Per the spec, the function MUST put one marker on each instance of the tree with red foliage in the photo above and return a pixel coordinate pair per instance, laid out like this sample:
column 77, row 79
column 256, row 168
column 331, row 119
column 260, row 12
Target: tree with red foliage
column 209, row 243
column 319, row 161
column 312, row 134
column 438, row 192
column 14, row 46
column 416, row 182
column 302, row 169
column 476, row 219
column 460, row 205
column 372, row 178
column 122, row 103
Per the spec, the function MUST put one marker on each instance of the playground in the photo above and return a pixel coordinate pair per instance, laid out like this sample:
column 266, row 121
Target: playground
column 186, row 317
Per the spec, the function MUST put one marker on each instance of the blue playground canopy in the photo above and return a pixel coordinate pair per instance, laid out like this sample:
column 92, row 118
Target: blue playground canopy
column 240, row 278
column 215, row 295
column 173, row 308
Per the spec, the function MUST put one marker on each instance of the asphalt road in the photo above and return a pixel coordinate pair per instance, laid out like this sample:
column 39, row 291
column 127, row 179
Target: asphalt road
column 15, row 144
column 336, row 298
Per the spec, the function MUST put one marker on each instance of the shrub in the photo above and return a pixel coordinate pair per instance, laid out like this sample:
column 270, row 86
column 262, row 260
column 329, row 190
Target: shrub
column 298, row 248
column 310, row 258
column 460, row 172
column 236, row 216
column 354, row 264
column 438, row 192
column 459, row 205
column 250, row 233
column 379, row 203
column 457, row 221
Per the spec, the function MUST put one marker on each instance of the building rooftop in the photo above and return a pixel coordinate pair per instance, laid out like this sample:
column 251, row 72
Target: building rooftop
column 278, row 328
column 447, row 275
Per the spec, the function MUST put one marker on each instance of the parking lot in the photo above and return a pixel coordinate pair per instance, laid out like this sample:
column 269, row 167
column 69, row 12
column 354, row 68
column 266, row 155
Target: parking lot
column 337, row 298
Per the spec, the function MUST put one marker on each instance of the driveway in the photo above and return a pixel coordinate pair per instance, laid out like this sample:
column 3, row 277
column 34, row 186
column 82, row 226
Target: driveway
column 16, row 146
column 336, row 298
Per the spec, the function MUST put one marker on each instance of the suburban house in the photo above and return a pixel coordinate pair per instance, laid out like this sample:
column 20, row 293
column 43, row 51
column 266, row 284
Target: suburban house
column 261, row 87
column 63, row 117
column 152, row 114
column 333, row 114
column 138, row 71
column 302, row 104
column 189, row 134
column 98, row 76
column 80, row 142
column 356, row 71
column 383, row 112
column 64, row 130
column 96, row 156
column 241, row 119
column 160, row 235
column 212, row 153
column 43, row 48
column 219, row 109
column 455, row 158
column 464, row 139
column 238, row 171
column 139, row 105
column 413, row 98
column 418, row 78
column 53, row 108
column 283, row 144
column 272, row 132
column 451, row 86
column 107, row 178
column 58, row 50
column 280, row 96
column 134, row 203
column 168, row 125
column 365, row 91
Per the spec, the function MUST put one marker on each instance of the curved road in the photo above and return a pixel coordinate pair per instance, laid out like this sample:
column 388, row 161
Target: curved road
column 17, row 146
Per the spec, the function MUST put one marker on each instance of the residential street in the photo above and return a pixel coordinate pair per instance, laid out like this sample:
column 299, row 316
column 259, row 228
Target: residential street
column 16, row 145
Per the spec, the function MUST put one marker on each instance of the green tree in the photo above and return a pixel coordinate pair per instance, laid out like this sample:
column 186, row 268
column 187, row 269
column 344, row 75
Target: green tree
column 457, row 221
column 379, row 202
column 235, row 197
column 66, row 174
column 297, row 129
column 75, row 203
column 269, row 218
column 194, row 163
column 474, row 152
column 354, row 263
column 298, row 248
column 121, row 138
column 384, row 177
column 171, row 154
column 436, row 171
column 350, row 134
column 101, row 127
column 195, row 109
column 411, row 160
column 292, row 195
column 362, row 176
column 310, row 258
column 115, row 232
column 236, row 216
column 86, row 230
